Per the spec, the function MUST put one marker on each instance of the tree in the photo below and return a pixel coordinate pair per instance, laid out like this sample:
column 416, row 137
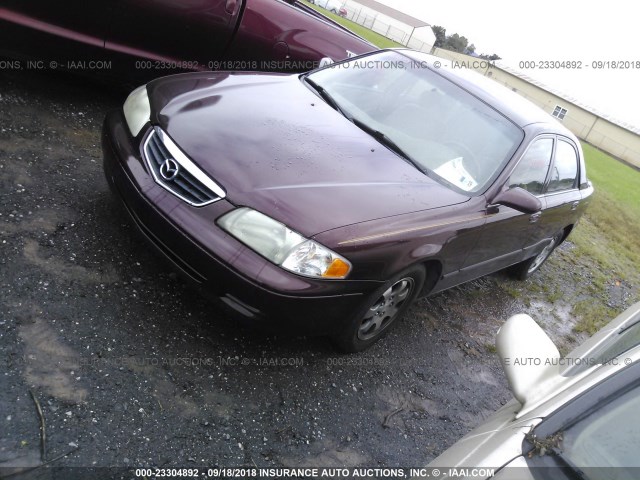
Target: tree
column 491, row 57
column 456, row 43
column 441, row 35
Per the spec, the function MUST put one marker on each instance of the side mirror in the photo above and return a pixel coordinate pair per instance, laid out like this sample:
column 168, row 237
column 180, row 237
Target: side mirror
column 529, row 357
column 519, row 199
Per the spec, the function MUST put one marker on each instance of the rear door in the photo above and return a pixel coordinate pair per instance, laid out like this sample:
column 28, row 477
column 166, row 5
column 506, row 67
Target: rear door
column 276, row 36
column 562, row 194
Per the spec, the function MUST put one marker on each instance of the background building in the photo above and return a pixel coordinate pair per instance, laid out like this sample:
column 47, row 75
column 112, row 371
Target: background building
column 400, row 27
column 617, row 138
column 608, row 134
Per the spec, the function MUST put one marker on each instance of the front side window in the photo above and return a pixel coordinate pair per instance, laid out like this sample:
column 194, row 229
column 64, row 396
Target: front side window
column 532, row 169
column 565, row 168
column 441, row 128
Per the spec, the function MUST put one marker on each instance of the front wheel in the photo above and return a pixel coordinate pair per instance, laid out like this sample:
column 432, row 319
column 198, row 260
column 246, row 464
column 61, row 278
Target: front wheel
column 381, row 310
column 525, row 269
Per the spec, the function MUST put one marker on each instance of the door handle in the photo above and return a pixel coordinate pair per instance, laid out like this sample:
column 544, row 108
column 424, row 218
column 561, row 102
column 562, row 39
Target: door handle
column 574, row 205
column 535, row 217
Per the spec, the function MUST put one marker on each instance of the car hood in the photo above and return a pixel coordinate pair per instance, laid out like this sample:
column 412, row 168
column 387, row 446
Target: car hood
column 277, row 147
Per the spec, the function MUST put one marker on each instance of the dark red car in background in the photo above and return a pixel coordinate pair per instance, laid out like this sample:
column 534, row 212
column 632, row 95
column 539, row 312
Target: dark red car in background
column 143, row 39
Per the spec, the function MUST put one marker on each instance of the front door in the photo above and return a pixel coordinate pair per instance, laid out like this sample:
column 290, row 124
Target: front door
column 507, row 231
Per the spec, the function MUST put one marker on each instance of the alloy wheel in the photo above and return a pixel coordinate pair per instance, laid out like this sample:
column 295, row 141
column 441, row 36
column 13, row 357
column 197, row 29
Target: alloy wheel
column 543, row 255
column 385, row 309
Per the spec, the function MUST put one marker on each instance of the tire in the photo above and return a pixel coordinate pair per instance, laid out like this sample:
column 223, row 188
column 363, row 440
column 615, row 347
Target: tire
column 523, row 270
column 381, row 310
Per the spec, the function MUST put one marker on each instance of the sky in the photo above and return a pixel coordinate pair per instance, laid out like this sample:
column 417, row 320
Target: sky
column 552, row 30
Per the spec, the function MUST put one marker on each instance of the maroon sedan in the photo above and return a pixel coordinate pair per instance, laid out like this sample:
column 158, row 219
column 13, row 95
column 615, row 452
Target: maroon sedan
column 147, row 38
column 329, row 201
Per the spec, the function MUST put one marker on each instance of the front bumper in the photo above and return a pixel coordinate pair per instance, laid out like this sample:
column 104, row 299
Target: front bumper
column 222, row 267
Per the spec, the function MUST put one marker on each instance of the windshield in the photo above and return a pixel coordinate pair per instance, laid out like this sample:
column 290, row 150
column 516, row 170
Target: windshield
column 444, row 130
column 604, row 445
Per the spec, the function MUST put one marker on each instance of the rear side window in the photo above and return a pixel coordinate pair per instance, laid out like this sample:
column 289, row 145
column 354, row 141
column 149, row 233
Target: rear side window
column 565, row 168
column 531, row 172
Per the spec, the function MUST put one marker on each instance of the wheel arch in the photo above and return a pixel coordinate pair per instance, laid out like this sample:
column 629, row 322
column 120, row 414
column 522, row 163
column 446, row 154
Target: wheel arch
column 433, row 271
column 567, row 230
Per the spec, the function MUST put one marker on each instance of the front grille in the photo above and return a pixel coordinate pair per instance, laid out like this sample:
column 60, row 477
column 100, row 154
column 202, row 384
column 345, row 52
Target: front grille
column 175, row 172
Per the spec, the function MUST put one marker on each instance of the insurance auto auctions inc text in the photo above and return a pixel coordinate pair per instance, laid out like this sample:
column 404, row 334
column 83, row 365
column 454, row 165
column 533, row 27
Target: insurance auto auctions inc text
column 271, row 473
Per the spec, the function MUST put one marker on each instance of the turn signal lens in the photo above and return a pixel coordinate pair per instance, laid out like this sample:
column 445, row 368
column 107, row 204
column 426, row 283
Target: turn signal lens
column 338, row 269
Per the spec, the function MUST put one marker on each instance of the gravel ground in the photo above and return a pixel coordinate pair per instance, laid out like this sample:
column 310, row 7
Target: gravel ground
column 133, row 368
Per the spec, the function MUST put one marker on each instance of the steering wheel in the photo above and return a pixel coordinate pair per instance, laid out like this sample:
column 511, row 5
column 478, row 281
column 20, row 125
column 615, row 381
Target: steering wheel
column 468, row 158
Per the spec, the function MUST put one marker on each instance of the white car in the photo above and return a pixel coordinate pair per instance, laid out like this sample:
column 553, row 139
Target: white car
column 331, row 5
column 572, row 417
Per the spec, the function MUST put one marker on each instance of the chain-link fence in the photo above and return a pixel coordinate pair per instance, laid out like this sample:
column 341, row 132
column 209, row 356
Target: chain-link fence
column 404, row 36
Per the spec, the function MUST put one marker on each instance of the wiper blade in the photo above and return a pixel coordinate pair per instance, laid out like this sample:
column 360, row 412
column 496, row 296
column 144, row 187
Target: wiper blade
column 386, row 141
column 381, row 137
column 326, row 96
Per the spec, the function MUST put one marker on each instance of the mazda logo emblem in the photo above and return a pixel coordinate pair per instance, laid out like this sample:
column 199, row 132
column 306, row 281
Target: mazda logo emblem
column 169, row 169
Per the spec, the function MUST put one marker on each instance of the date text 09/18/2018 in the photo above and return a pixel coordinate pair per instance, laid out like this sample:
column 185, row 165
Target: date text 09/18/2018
column 579, row 64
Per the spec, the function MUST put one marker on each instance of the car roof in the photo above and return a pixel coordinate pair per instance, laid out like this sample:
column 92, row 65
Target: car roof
column 515, row 107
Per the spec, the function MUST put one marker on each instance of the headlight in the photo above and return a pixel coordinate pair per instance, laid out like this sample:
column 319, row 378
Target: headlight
column 283, row 246
column 137, row 110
